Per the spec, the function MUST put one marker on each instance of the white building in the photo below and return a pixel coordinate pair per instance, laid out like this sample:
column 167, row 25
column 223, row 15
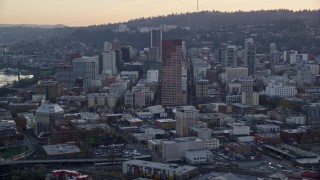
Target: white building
column 152, row 75
column 109, row 60
column 7, row 124
column 297, row 120
column 237, row 129
column 86, row 68
column 211, row 143
column 174, row 150
column 278, row 89
column 198, row 157
column 298, row 58
column 166, row 171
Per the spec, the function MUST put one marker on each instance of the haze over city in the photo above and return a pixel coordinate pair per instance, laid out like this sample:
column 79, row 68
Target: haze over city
column 83, row 13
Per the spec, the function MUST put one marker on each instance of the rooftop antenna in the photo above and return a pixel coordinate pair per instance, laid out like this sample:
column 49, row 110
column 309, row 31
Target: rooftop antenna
column 197, row 5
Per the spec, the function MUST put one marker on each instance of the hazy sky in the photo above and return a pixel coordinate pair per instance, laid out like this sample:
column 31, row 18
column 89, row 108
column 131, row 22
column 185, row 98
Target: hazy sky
column 88, row 12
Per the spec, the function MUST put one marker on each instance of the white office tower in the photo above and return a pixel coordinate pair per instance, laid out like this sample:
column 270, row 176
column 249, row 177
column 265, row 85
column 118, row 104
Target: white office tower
column 152, row 75
column 231, row 56
column 86, row 68
column 109, row 65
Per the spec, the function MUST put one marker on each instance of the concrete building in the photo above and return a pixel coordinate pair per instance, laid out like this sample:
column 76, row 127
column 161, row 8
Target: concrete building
column 237, row 129
column 174, row 150
column 298, row 58
column 312, row 112
column 268, row 128
column 165, row 123
column 171, row 94
column 153, row 75
column 158, row 170
column 64, row 74
column 198, row 157
column 64, row 134
column 52, row 89
column 278, row 89
column 61, row 151
column 296, row 120
column 251, row 98
column 48, row 115
column 109, row 65
column 186, row 116
column 235, row 73
column 231, row 56
column 86, row 68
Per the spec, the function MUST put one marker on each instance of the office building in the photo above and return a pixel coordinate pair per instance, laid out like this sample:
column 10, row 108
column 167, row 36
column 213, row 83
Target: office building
column 109, row 60
column 51, row 89
column 156, row 42
column 235, row 73
column 64, row 74
column 48, row 115
column 171, row 73
column 198, row 156
column 153, row 75
column 251, row 98
column 202, row 88
column 220, row 55
column 250, row 56
column 278, row 89
column 86, row 68
column 158, row 170
column 126, row 53
column 186, row 116
column 175, row 149
column 231, row 56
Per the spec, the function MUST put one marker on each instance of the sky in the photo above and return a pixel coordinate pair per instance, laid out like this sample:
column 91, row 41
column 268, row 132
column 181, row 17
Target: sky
column 90, row 12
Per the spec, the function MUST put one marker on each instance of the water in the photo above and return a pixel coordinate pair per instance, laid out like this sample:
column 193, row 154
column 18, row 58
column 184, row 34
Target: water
column 9, row 78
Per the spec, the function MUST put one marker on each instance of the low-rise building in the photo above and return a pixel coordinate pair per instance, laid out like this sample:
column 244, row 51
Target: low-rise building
column 198, row 157
column 174, row 150
column 165, row 123
column 158, row 170
column 61, row 151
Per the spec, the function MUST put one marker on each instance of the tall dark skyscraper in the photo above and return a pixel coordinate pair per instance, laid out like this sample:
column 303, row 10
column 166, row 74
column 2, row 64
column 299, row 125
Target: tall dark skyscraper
column 250, row 56
column 171, row 94
column 156, row 40
column 125, row 54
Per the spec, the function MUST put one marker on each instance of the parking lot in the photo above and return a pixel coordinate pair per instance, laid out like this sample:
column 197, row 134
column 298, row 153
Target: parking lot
column 121, row 151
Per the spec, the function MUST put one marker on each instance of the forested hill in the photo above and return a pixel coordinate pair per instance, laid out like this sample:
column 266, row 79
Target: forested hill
column 211, row 19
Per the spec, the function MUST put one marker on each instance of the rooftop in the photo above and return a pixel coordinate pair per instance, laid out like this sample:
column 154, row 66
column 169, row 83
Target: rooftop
column 60, row 149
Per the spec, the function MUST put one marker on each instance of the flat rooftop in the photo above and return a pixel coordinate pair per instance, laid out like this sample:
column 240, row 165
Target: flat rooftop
column 60, row 149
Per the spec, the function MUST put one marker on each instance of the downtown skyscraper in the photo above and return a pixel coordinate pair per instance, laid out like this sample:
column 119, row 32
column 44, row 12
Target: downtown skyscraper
column 250, row 56
column 156, row 41
column 171, row 94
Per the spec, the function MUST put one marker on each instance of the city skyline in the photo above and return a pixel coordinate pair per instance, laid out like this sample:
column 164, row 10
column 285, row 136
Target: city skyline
column 83, row 13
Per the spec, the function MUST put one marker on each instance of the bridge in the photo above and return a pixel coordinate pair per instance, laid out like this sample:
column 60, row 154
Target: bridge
column 59, row 161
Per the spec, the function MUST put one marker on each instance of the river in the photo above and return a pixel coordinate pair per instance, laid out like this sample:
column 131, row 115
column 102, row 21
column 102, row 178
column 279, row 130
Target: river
column 8, row 78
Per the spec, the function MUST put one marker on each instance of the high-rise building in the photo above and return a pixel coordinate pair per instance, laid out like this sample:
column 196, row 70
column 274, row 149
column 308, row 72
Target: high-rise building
column 109, row 60
column 219, row 56
column 202, row 88
column 64, row 74
column 48, row 115
column 171, row 72
column 153, row 54
column 236, row 73
column 186, row 116
column 126, row 53
column 153, row 75
column 156, row 41
column 250, row 56
column 86, row 68
column 231, row 56
column 274, row 54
